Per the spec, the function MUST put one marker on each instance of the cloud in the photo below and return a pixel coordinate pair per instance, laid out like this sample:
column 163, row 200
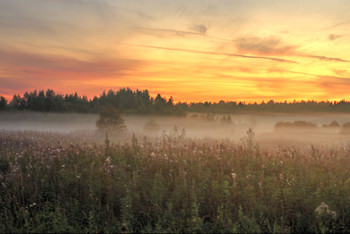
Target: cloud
column 341, row 23
column 164, row 32
column 274, row 46
column 197, row 31
column 22, row 71
column 53, row 68
column 324, row 58
column 20, row 24
column 340, row 72
column 199, row 28
column 23, row 30
column 217, row 53
column 75, row 1
column 9, row 83
column 263, row 46
column 293, row 72
column 333, row 37
column 335, row 86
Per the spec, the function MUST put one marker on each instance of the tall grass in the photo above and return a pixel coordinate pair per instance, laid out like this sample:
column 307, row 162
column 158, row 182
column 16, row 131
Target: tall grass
column 172, row 184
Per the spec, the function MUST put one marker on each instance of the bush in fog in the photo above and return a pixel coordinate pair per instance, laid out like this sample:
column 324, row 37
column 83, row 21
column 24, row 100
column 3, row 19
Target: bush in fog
column 226, row 120
column 345, row 128
column 209, row 117
column 110, row 121
column 295, row 124
column 151, row 126
column 175, row 134
column 333, row 124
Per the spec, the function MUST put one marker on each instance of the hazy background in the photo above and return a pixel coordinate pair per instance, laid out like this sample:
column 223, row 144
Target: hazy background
column 197, row 126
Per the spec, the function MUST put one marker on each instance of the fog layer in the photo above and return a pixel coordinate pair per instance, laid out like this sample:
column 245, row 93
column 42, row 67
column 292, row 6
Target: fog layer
column 196, row 125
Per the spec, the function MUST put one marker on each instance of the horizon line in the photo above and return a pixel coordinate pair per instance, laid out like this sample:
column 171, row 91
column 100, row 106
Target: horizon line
column 167, row 97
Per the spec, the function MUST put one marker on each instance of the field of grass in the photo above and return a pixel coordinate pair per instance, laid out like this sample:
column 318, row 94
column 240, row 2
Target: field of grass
column 55, row 182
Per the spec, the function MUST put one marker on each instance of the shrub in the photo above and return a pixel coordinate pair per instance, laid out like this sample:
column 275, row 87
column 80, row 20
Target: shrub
column 110, row 120
column 151, row 126
column 333, row 124
column 295, row 125
column 226, row 120
column 345, row 129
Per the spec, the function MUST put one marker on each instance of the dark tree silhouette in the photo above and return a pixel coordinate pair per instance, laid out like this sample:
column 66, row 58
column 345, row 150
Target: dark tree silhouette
column 130, row 101
column 3, row 103
column 110, row 121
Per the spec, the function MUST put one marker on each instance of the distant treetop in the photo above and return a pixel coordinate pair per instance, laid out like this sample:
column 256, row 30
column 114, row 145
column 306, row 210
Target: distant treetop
column 137, row 101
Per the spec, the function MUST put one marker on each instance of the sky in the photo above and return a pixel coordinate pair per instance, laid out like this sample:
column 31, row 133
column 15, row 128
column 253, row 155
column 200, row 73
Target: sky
column 197, row 50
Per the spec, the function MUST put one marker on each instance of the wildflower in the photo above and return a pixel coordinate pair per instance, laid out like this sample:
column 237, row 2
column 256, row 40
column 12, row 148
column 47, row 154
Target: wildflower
column 78, row 177
column 289, row 182
column 234, row 176
column 323, row 209
column 281, row 176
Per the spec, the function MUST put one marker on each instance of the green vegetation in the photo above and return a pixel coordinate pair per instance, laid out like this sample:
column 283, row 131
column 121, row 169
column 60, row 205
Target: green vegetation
column 56, row 183
column 140, row 102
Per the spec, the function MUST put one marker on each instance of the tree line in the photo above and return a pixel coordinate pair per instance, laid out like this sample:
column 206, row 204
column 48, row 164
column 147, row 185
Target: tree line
column 124, row 100
column 130, row 101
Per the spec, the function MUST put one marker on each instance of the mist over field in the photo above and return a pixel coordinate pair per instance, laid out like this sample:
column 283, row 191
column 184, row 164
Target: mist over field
column 195, row 125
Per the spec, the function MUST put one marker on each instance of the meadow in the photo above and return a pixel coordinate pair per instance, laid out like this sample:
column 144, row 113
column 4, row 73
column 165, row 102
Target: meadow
column 174, row 181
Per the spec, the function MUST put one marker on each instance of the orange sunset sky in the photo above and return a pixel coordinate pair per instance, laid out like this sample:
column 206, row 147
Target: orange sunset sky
column 193, row 50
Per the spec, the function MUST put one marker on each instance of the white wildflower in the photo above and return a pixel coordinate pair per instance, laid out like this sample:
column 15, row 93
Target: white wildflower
column 323, row 209
column 234, row 176
column 281, row 176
